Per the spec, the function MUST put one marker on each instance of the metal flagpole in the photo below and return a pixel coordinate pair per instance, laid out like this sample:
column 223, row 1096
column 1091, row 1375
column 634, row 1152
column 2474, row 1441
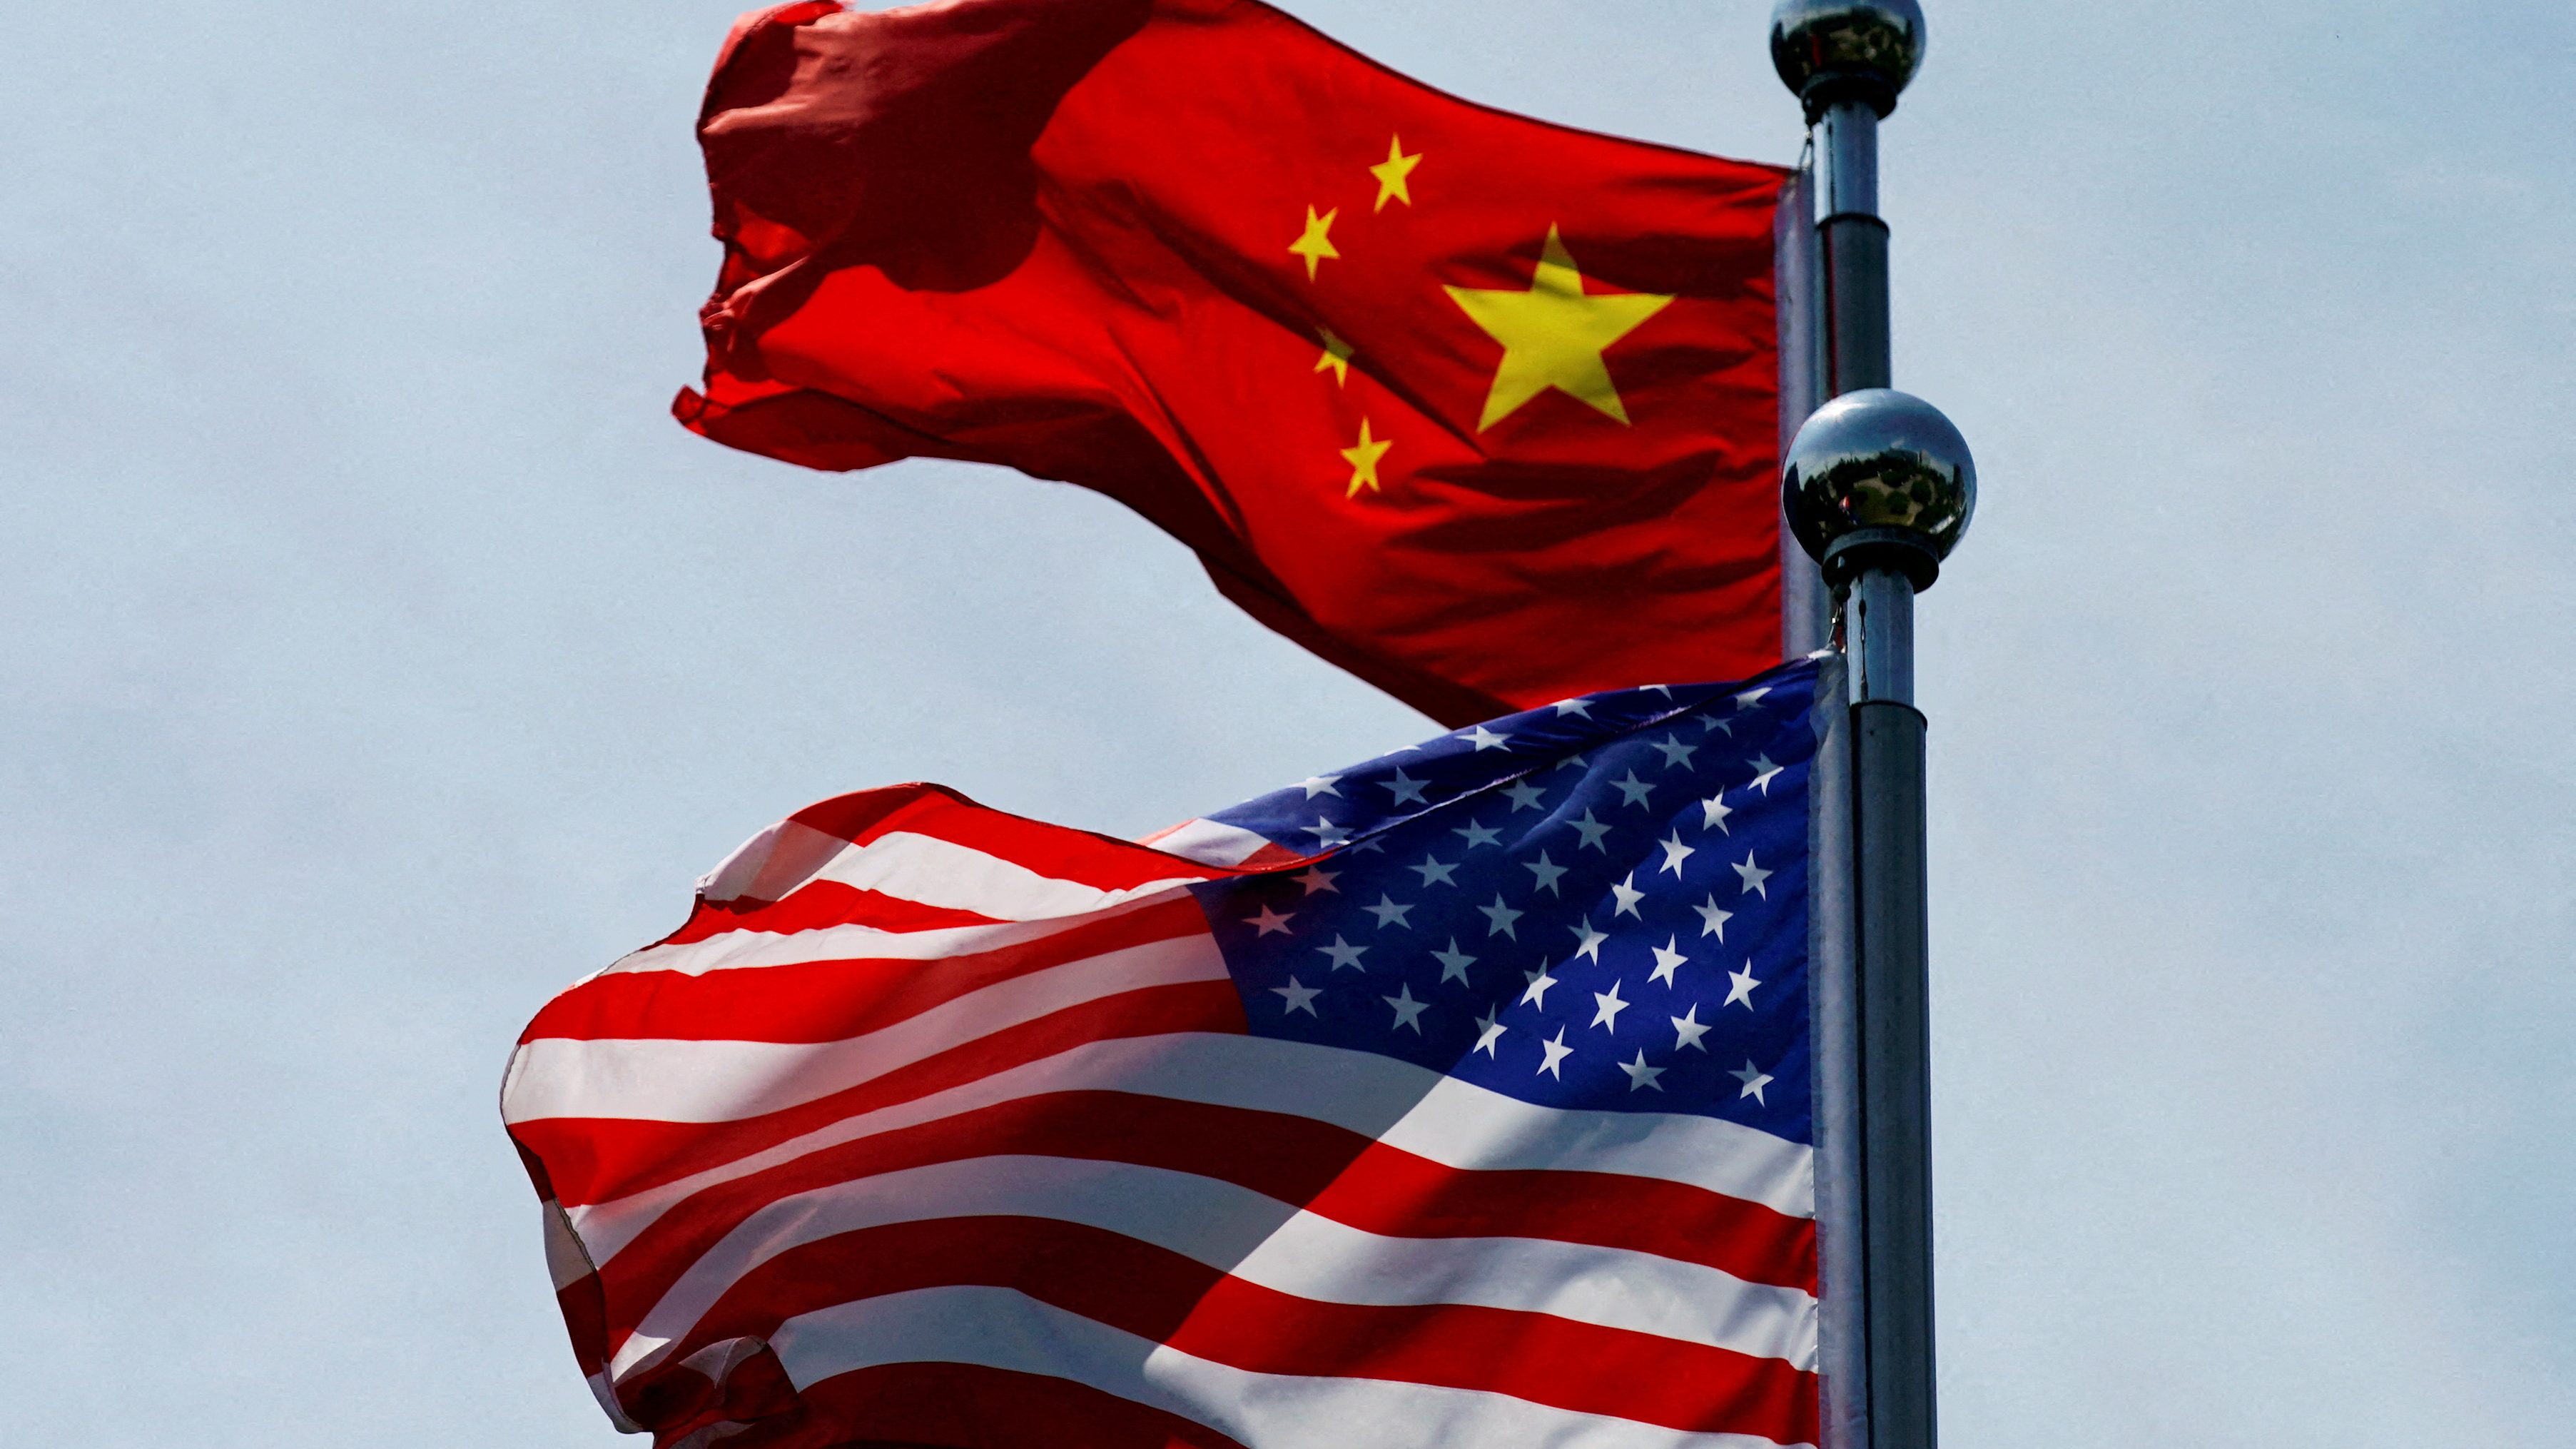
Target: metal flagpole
column 1878, row 487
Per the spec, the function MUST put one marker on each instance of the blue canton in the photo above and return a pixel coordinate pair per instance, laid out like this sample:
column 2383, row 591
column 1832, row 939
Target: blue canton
column 1597, row 904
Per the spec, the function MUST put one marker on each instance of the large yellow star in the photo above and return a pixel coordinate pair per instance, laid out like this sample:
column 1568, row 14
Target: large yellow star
column 1317, row 242
column 1392, row 172
column 1363, row 460
column 1553, row 335
column 1337, row 356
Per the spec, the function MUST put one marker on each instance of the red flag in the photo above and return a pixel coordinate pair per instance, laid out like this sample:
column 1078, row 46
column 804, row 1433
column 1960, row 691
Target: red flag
column 1481, row 409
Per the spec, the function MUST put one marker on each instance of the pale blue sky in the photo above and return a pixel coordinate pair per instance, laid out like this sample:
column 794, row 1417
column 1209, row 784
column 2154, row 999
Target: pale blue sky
column 375, row 658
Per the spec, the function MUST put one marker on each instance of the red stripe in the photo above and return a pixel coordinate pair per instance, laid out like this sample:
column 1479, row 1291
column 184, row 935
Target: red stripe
column 823, row 903
column 1581, row 1367
column 595, row 1159
column 1334, row 1172
column 969, row 1406
column 586, row 1319
column 1388, row 1190
column 743, row 1382
column 820, row 1001
column 1164, row 1297
column 1096, row 860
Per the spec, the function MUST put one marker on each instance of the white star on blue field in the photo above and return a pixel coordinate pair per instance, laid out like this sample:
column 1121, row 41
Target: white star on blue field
column 1648, row 970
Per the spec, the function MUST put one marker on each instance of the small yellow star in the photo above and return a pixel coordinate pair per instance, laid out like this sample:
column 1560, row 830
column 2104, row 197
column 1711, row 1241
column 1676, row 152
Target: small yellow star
column 1317, row 243
column 1337, row 356
column 1391, row 173
column 1363, row 460
column 1553, row 335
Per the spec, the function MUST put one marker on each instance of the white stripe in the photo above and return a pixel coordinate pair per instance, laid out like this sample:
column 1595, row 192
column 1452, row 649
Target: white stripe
column 1368, row 1094
column 743, row 950
column 658, row 1079
column 1262, row 1241
column 1459, row 1124
column 999, row 1328
column 601, row 1390
column 1467, row 1125
column 769, row 865
column 566, row 1263
column 936, row 872
column 1209, row 842
column 915, row 867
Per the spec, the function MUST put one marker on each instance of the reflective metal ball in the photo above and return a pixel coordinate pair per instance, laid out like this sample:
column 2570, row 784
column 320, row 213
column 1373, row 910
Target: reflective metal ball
column 1828, row 49
column 1879, row 479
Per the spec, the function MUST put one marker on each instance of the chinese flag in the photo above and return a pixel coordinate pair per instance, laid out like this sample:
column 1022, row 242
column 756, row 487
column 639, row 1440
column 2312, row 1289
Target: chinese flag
column 1481, row 409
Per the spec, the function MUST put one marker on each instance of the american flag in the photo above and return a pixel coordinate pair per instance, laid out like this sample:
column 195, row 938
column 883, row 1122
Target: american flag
column 1456, row 1098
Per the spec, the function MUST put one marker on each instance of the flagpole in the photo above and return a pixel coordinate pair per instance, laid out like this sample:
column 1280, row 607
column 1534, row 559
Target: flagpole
column 1877, row 486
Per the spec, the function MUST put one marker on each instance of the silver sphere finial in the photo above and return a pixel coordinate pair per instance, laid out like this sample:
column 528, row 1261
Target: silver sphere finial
column 1879, row 479
column 1830, row 50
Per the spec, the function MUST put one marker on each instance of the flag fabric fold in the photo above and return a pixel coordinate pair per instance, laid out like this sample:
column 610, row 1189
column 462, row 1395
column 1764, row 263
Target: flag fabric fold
column 1458, row 1097
column 1482, row 409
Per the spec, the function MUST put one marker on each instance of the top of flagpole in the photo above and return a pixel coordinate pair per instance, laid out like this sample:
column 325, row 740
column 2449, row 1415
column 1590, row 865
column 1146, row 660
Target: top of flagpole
column 1835, row 50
